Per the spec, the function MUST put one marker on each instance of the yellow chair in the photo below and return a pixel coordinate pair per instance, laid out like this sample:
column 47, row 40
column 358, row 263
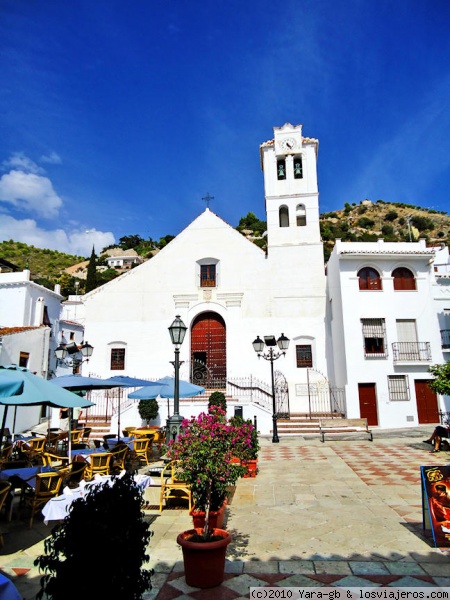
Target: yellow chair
column 34, row 449
column 99, row 463
column 54, row 460
column 118, row 457
column 5, row 454
column 5, row 487
column 85, row 436
column 73, row 474
column 141, row 449
column 172, row 487
column 47, row 487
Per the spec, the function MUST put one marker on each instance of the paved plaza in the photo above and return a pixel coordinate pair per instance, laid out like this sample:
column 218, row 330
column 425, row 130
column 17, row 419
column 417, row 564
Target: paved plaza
column 345, row 512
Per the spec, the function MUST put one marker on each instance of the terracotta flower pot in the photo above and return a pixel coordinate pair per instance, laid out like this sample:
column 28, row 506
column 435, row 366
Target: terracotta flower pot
column 204, row 562
column 216, row 517
column 252, row 468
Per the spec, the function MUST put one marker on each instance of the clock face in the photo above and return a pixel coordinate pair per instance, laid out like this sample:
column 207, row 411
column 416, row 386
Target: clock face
column 288, row 144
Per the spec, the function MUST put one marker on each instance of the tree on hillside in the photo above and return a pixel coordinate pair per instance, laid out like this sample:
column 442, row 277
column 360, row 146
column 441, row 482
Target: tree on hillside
column 91, row 276
column 441, row 383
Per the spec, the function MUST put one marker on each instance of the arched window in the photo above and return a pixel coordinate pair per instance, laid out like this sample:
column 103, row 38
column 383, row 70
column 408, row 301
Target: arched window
column 284, row 216
column 403, row 279
column 301, row 215
column 281, row 169
column 369, row 279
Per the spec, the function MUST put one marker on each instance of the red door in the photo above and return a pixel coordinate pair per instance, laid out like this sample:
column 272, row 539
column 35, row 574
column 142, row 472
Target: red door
column 208, row 351
column 427, row 404
column 368, row 402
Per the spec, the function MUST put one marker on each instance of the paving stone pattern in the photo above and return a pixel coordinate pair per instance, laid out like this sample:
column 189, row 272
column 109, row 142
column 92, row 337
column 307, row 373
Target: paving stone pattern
column 343, row 513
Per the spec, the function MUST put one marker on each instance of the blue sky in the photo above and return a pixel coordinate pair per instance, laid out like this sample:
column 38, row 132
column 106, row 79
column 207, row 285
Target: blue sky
column 117, row 117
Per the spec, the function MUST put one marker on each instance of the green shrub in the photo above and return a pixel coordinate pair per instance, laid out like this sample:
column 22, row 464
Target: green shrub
column 218, row 399
column 108, row 525
column 391, row 215
column 148, row 409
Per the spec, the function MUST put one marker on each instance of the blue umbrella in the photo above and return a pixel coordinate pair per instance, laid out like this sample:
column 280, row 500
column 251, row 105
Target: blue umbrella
column 10, row 388
column 36, row 391
column 78, row 383
column 122, row 381
column 165, row 388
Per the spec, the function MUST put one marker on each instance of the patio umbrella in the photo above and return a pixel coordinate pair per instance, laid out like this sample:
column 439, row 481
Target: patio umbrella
column 36, row 391
column 122, row 381
column 10, row 388
column 78, row 383
column 165, row 388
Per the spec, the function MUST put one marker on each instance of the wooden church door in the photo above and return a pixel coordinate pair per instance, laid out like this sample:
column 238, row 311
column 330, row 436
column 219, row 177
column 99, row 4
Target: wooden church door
column 208, row 351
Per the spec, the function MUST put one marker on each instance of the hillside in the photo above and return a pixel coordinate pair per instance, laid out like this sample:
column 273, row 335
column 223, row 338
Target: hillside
column 393, row 221
column 367, row 221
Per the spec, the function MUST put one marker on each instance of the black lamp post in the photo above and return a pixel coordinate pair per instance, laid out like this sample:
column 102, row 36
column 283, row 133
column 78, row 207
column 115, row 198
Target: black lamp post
column 72, row 350
column 177, row 332
column 283, row 344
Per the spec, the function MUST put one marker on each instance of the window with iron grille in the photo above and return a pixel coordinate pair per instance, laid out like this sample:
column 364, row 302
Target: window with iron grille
column 374, row 335
column 117, row 359
column 207, row 275
column 304, row 356
column 398, row 387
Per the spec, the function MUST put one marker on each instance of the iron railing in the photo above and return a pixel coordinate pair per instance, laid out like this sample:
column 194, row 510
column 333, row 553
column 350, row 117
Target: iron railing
column 411, row 351
column 445, row 338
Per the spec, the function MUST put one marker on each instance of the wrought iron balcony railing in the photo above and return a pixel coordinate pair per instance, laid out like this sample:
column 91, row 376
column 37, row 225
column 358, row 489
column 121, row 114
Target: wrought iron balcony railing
column 411, row 351
column 445, row 338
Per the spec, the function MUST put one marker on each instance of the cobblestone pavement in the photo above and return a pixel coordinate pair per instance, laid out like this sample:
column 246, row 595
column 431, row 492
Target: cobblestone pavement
column 347, row 512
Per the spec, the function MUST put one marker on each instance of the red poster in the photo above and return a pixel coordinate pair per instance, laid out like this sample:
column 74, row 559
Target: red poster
column 436, row 483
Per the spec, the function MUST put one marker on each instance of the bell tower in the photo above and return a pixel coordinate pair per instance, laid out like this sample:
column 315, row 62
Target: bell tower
column 289, row 164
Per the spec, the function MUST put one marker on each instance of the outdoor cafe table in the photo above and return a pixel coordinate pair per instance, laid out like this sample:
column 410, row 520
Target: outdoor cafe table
column 85, row 453
column 57, row 508
column 8, row 590
column 111, row 442
column 21, row 476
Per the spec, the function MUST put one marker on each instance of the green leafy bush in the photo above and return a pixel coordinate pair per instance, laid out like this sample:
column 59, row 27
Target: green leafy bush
column 218, row 399
column 107, row 526
column 148, row 409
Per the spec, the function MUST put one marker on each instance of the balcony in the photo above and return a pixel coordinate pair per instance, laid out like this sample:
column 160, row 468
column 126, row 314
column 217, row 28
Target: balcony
column 445, row 338
column 411, row 352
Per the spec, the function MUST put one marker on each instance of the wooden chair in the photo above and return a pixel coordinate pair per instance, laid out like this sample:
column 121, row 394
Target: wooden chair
column 85, row 436
column 73, row 474
column 5, row 488
column 98, row 464
column 141, row 449
column 47, row 487
column 54, row 460
column 126, row 431
column 159, row 439
column 172, row 487
column 118, row 457
column 34, row 449
column 5, row 454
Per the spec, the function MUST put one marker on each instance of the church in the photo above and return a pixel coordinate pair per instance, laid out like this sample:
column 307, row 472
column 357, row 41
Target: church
column 228, row 292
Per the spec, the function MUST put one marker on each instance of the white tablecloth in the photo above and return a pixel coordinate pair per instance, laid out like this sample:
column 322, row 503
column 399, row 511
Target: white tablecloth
column 57, row 508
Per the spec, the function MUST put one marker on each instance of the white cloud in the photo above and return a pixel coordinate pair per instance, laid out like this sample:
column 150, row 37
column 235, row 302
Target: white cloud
column 18, row 160
column 74, row 242
column 30, row 192
column 53, row 158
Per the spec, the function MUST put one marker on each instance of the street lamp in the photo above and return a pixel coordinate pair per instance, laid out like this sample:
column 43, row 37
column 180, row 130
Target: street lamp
column 283, row 344
column 177, row 332
column 74, row 351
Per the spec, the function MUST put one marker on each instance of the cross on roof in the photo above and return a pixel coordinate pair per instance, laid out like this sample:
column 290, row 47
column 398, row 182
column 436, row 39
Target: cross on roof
column 207, row 199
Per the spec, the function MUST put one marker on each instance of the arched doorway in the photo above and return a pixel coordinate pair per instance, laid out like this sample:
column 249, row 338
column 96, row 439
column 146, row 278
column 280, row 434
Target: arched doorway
column 209, row 351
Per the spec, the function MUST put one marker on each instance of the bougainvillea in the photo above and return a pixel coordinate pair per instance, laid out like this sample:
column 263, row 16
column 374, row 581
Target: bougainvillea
column 204, row 449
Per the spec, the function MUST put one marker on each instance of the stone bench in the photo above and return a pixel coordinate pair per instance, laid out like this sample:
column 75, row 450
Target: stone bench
column 344, row 426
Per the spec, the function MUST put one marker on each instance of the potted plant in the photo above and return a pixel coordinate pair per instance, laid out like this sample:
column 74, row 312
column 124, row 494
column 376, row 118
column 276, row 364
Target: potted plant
column 203, row 451
column 148, row 410
column 247, row 454
column 109, row 521
column 218, row 399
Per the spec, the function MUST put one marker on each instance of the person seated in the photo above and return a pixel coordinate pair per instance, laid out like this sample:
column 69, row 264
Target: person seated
column 440, row 433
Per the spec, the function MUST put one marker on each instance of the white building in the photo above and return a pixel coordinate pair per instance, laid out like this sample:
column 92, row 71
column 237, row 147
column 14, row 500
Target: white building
column 384, row 330
column 227, row 291
column 29, row 326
